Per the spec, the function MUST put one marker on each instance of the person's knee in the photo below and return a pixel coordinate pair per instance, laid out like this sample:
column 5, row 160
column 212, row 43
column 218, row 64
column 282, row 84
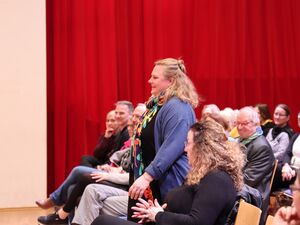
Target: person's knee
column 76, row 170
column 85, row 179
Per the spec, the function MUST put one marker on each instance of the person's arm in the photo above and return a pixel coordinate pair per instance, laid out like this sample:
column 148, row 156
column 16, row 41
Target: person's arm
column 283, row 143
column 287, row 172
column 117, row 178
column 289, row 151
column 104, row 146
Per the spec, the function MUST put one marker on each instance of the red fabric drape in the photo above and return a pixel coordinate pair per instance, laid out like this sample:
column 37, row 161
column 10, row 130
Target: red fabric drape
column 237, row 52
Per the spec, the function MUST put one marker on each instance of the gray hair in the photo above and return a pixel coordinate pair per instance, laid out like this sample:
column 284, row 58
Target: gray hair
column 128, row 104
column 253, row 115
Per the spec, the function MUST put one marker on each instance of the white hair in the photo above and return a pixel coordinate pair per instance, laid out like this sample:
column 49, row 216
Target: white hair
column 253, row 115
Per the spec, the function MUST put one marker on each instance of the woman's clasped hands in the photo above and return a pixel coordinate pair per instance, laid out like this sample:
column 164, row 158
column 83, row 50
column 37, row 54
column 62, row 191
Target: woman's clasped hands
column 147, row 210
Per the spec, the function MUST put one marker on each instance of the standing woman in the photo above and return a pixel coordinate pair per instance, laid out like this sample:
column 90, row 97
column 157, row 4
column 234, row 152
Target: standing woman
column 158, row 159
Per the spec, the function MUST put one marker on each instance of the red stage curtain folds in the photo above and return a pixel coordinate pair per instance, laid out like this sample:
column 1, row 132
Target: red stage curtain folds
column 237, row 52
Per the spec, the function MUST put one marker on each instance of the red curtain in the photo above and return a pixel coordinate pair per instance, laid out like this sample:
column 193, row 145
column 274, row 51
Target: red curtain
column 237, row 52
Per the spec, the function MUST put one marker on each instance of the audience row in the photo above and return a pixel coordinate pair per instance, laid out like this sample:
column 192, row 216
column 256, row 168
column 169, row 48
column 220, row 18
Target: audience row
column 156, row 163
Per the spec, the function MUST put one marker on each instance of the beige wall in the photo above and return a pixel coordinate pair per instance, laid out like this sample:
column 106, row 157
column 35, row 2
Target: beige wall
column 23, row 102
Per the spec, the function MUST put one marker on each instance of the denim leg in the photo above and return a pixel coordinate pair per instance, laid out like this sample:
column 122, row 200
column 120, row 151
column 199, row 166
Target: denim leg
column 59, row 196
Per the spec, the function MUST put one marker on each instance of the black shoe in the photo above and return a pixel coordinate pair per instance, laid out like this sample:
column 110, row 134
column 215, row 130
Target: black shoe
column 52, row 219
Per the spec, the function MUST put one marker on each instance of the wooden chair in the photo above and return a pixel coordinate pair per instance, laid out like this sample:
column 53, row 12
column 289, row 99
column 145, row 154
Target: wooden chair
column 278, row 198
column 269, row 220
column 273, row 173
column 247, row 214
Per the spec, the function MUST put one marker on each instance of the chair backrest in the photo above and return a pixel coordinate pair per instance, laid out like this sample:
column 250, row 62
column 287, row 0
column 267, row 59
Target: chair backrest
column 273, row 173
column 247, row 214
column 269, row 220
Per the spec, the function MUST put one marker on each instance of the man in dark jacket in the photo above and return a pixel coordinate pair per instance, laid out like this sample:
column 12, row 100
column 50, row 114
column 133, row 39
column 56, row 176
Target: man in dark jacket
column 260, row 158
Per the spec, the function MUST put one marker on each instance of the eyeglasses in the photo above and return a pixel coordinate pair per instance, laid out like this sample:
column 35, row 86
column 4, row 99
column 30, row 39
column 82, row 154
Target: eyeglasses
column 243, row 123
column 280, row 115
column 294, row 188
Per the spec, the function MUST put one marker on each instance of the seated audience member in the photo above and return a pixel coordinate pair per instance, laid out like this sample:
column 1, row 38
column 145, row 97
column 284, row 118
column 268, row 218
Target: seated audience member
column 117, row 178
column 219, row 119
column 279, row 138
column 290, row 215
column 211, row 187
column 102, row 152
column 210, row 110
column 123, row 113
column 105, row 144
column 260, row 158
column 234, row 132
column 230, row 117
column 94, row 197
column 291, row 161
column 265, row 118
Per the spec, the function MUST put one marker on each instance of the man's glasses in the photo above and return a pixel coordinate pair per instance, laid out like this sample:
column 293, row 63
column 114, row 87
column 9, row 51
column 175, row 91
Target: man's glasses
column 243, row 123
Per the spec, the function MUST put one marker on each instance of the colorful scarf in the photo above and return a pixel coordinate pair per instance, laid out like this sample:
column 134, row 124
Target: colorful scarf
column 137, row 164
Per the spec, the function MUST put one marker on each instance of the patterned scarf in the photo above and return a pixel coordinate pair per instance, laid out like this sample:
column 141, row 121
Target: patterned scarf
column 137, row 164
column 257, row 133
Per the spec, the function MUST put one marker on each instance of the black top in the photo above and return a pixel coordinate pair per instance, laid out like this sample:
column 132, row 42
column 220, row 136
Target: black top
column 107, row 146
column 148, row 152
column 103, row 148
column 208, row 202
column 120, row 139
column 266, row 127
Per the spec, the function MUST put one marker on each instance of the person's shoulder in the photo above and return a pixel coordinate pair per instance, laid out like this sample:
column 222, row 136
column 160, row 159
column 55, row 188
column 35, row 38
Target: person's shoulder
column 260, row 140
column 177, row 104
column 217, row 175
column 261, row 145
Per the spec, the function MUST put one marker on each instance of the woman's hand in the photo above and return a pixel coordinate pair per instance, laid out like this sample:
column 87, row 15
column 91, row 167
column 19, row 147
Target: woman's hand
column 146, row 211
column 105, row 167
column 286, row 216
column 287, row 173
column 138, row 188
column 99, row 176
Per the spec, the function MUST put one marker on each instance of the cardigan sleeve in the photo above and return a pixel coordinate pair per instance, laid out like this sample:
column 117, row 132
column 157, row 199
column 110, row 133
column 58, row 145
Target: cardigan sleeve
column 174, row 123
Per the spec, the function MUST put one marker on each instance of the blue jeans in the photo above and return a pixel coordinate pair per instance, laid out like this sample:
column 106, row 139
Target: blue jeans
column 59, row 196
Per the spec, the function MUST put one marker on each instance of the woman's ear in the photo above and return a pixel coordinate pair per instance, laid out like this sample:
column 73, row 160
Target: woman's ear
column 172, row 80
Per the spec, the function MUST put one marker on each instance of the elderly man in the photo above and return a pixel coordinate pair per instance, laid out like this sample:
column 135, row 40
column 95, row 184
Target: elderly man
column 260, row 158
